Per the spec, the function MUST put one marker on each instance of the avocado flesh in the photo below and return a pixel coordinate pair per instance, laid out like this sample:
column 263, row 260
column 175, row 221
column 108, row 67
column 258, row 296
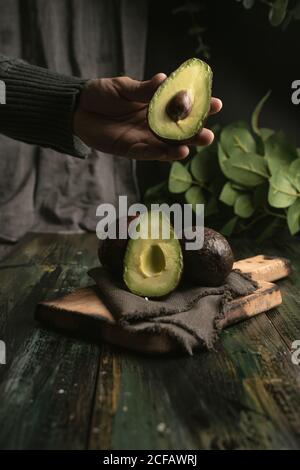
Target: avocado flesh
column 153, row 266
column 194, row 76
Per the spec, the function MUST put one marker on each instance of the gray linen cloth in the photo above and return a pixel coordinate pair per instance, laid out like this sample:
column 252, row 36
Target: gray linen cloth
column 188, row 315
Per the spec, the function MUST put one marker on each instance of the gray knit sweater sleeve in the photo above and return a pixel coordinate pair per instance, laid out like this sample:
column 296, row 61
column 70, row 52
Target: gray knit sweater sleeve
column 39, row 106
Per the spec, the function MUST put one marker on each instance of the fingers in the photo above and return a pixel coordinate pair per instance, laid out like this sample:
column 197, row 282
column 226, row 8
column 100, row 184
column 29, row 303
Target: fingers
column 179, row 152
column 142, row 151
column 215, row 106
column 142, row 92
column 176, row 153
column 204, row 137
column 148, row 147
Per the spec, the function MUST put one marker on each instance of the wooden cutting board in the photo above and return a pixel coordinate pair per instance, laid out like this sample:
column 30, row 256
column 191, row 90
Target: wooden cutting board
column 83, row 313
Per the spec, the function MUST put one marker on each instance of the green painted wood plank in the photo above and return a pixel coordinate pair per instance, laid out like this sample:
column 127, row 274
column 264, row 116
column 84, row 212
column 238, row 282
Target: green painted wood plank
column 224, row 399
column 244, row 395
column 50, row 248
column 20, row 290
column 47, row 385
column 286, row 319
column 47, row 393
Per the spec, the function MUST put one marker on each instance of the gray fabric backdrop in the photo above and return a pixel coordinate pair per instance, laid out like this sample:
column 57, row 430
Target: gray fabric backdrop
column 41, row 189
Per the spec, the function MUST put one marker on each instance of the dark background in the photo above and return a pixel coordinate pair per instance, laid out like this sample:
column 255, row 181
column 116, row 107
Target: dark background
column 248, row 57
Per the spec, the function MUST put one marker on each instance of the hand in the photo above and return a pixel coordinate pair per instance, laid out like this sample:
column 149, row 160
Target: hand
column 112, row 117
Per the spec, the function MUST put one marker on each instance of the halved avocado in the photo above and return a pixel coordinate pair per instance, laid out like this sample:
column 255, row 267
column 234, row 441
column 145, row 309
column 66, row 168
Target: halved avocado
column 179, row 107
column 153, row 265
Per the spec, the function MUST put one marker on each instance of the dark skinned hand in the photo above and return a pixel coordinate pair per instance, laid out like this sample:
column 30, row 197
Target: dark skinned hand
column 112, row 117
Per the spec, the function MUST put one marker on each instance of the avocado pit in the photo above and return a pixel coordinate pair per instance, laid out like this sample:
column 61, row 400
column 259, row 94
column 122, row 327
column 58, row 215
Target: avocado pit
column 180, row 106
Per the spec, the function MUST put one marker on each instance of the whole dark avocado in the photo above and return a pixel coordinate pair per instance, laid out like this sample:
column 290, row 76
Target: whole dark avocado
column 210, row 265
column 111, row 252
column 111, row 255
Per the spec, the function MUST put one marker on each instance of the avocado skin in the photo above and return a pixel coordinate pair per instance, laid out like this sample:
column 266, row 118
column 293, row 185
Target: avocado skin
column 183, row 141
column 175, row 142
column 111, row 252
column 111, row 255
column 211, row 265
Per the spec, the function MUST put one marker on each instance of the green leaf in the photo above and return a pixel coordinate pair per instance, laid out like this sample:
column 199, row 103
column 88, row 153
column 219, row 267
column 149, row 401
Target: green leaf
column 256, row 113
column 238, row 187
column 281, row 192
column 243, row 206
column 294, row 173
column 229, row 227
column 203, row 166
column 194, row 196
column 252, row 163
column 278, row 12
column 293, row 217
column 279, row 152
column 266, row 133
column 298, row 152
column 223, row 161
column 229, row 194
column 179, row 179
column 248, row 170
column 237, row 141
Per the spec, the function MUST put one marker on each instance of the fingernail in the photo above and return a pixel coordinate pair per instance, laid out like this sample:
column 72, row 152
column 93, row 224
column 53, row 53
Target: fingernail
column 160, row 77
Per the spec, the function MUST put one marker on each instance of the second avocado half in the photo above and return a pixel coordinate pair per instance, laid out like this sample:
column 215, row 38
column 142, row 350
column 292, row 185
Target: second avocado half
column 179, row 107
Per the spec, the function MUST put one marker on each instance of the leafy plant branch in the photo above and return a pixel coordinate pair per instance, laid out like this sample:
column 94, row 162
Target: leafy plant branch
column 280, row 13
column 257, row 180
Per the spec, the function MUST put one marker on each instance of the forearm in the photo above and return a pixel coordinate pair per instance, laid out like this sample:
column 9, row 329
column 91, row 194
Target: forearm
column 39, row 106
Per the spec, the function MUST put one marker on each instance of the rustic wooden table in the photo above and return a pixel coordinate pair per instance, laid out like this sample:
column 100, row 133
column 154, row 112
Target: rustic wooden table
column 58, row 392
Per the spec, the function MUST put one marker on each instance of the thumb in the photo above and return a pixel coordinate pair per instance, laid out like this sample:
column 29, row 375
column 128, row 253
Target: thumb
column 135, row 90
